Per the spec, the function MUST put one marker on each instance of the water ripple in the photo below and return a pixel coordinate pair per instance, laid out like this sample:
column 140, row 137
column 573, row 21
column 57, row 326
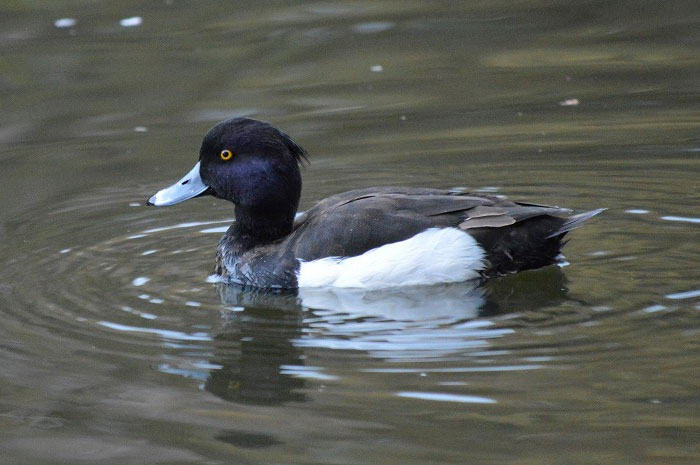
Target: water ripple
column 442, row 397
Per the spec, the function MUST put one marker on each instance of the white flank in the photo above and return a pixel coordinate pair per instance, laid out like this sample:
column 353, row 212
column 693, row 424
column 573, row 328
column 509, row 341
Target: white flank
column 433, row 256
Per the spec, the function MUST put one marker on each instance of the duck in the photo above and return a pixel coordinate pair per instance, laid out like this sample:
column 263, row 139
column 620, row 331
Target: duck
column 371, row 238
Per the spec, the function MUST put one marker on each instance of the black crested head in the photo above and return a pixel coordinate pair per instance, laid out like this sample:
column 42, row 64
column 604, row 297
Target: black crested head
column 255, row 166
column 250, row 136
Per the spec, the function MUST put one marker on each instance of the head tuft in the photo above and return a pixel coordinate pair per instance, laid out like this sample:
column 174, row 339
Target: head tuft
column 252, row 136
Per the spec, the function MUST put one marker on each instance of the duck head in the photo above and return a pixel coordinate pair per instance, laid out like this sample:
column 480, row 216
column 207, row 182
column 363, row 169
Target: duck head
column 250, row 163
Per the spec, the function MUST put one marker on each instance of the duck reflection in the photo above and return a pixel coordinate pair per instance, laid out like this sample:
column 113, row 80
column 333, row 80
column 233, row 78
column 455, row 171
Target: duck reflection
column 253, row 345
column 260, row 348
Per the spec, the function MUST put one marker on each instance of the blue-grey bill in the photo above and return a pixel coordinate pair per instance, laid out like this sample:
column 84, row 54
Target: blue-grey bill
column 191, row 185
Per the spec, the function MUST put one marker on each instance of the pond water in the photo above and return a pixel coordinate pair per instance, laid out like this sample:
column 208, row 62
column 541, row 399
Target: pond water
column 115, row 348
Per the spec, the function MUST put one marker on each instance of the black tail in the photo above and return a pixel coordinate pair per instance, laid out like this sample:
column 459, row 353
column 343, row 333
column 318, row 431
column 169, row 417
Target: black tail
column 526, row 245
column 574, row 222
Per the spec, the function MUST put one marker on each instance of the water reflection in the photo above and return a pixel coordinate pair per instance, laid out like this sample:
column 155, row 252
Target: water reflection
column 448, row 302
column 252, row 351
column 259, row 352
column 452, row 302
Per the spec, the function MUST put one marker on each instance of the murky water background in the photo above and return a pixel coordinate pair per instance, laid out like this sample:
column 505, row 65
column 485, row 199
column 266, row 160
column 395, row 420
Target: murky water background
column 115, row 349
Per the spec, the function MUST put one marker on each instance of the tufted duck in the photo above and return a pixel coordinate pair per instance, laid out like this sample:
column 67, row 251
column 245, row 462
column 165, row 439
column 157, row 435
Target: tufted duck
column 367, row 238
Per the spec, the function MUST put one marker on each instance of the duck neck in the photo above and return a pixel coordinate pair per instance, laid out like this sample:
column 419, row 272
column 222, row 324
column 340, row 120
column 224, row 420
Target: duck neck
column 253, row 228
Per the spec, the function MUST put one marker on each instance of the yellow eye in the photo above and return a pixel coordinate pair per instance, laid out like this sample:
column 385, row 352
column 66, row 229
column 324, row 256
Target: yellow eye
column 226, row 155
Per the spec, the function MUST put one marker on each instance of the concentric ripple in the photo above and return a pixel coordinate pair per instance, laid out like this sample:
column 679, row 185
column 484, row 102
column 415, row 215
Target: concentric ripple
column 113, row 278
column 105, row 275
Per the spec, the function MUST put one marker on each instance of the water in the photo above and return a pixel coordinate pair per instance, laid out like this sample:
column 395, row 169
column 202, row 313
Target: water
column 115, row 348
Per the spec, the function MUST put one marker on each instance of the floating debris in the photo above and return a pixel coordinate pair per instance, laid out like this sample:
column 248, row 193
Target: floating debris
column 376, row 68
column 131, row 22
column 571, row 102
column 64, row 23
column 140, row 281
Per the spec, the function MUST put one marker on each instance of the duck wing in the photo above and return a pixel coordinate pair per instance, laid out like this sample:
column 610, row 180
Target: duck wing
column 354, row 222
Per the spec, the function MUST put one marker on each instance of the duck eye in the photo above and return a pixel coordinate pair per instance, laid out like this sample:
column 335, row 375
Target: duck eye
column 226, row 155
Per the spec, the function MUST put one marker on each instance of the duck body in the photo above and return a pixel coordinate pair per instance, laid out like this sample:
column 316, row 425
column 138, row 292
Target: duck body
column 370, row 238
